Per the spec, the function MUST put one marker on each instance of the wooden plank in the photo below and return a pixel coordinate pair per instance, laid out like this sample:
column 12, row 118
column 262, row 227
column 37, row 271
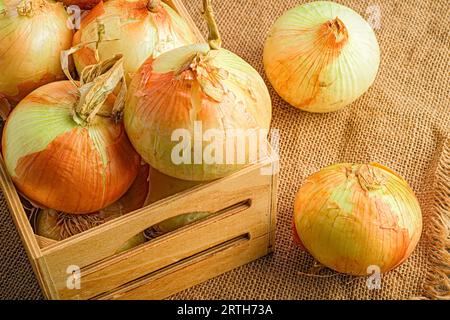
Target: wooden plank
column 18, row 213
column 44, row 242
column 170, row 248
column 195, row 270
column 274, row 201
column 108, row 237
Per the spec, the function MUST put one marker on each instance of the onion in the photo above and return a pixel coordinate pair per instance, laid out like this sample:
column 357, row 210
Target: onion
column 136, row 29
column 350, row 217
column 321, row 56
column 135, row 197
column 32, row 34
column 59, row 226
column 201, row 85
column 63, row 148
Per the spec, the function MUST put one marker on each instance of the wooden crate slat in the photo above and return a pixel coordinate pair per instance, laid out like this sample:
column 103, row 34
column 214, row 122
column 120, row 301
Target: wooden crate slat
column 168, row 249
column 207, row 266
column 106, row 239
column 116, row 232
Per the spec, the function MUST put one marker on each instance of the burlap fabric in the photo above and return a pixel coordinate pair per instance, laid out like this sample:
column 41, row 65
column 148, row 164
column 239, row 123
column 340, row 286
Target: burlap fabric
column 403, row 122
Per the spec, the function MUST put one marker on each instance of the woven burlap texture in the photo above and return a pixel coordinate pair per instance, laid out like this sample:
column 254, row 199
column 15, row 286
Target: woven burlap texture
column 402, row 122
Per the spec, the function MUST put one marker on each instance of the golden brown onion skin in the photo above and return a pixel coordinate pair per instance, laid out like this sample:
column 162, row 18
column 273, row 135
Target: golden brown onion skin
column 136, row 32
column 59, row 226
column 350, row 217
column 30, row 47
column 321, row 56
column 60, row 164
column 191, row 86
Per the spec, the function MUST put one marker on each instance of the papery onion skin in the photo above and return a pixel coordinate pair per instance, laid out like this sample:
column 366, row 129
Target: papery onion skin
column 171, row 92
column 135, row 197
column 30, row 47
column 321, row 56
column 140, row 33
column 350, row 217
column 61, row 165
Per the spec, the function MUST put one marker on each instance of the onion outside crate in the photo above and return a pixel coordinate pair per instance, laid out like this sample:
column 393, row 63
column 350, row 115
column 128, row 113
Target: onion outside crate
column 350, row 217
column 321, row 56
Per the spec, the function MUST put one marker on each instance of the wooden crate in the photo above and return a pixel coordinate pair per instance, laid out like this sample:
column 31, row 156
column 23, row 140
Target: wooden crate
column 242, row 230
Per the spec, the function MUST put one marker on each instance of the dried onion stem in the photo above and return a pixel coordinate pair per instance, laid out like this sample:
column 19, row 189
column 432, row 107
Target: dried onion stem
column 97, row 82
column 214, row 39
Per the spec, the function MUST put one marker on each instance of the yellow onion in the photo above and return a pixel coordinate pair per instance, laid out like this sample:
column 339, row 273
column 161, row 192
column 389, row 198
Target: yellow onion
column 58, row 226
column 32, row 34
column 137, row 29
column 354, row 217
column 64, row 148
column 198, row 85
column 321, row 56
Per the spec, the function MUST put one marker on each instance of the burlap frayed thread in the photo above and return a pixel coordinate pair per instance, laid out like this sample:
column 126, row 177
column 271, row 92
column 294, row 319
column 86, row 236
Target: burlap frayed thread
column 437, row 284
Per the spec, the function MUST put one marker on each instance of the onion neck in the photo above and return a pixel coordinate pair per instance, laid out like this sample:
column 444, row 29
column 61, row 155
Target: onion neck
column 334, row 33
column 214, row 39
column 153, row 5
column 97, row 83
column 27, row 8
column 370, row 177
